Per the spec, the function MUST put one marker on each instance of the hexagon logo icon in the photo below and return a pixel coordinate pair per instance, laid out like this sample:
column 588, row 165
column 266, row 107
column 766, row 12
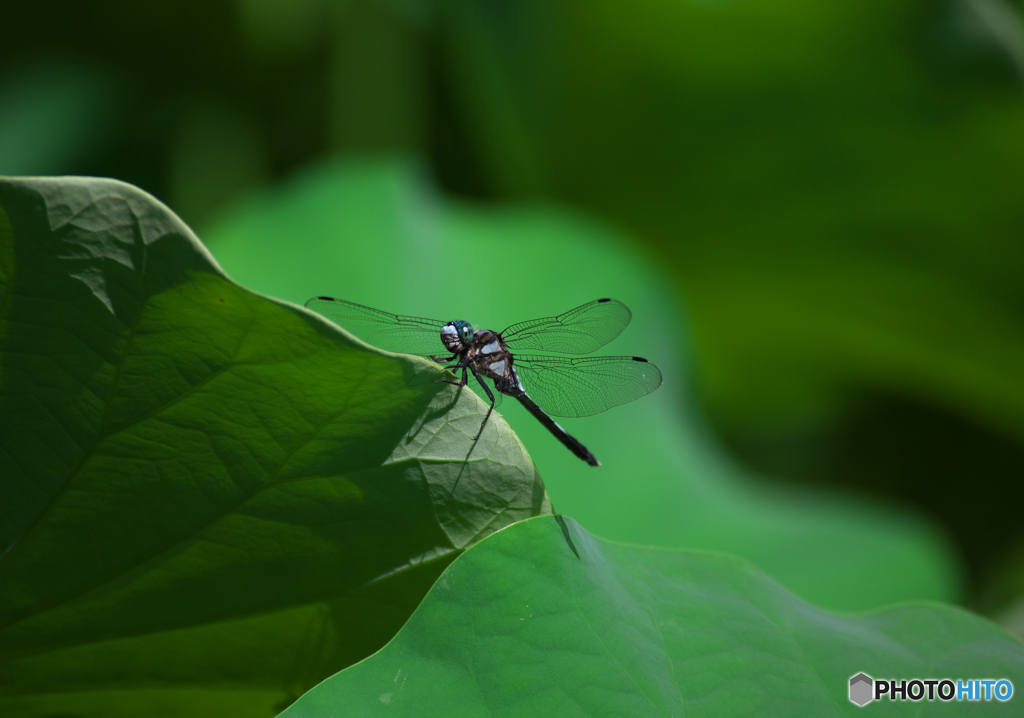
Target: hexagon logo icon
column 861, row 689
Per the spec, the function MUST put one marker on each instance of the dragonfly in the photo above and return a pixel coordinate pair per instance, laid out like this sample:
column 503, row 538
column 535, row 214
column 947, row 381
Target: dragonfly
column 563, row 386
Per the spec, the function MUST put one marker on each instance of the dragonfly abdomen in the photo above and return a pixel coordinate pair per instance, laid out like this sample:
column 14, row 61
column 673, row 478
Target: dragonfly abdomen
column 567, row 439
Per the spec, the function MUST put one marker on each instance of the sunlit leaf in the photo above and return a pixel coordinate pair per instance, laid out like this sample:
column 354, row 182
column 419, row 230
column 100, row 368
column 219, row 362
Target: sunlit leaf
column 519, row 626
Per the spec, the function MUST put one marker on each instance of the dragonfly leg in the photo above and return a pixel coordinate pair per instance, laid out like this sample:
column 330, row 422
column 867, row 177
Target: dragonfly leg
column 489, row 409
column 465, row 378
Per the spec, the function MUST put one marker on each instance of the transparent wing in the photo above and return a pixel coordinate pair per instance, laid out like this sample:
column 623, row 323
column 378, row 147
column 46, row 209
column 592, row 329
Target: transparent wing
column 585, row 386
column 579, row 331
column 393, row 332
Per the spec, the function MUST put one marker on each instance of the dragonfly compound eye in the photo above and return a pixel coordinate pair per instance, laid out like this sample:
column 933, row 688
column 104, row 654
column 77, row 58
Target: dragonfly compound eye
column 450, row 337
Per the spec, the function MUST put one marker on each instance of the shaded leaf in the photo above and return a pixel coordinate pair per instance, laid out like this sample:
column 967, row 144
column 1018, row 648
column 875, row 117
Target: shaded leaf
column 210, row 499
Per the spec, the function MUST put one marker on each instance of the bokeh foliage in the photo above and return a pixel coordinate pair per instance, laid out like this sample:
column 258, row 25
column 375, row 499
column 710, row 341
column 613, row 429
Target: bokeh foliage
column 832, row 188
column 836, row 187
column 829, row 191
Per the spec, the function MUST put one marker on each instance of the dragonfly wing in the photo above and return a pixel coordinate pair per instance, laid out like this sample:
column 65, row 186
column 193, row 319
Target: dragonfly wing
column 392, row 332
column 585, row 386
column 581, row 330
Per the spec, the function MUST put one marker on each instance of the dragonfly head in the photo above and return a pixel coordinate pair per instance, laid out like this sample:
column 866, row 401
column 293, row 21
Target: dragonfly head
column 456, row 336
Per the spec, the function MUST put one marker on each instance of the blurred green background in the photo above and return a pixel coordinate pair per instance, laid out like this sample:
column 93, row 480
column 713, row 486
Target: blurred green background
column 832, row 192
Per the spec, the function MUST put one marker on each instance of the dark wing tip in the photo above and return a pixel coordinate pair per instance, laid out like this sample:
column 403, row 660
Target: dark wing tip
column 641, row 359
column 329, row 299
column 606, row 299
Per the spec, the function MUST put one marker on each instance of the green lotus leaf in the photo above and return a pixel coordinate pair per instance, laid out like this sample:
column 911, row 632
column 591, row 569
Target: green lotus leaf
column 521, row 626
column 209, row 500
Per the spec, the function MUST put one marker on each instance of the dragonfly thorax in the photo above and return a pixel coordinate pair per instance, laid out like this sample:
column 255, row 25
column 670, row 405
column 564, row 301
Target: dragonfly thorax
column 456, row 336
column 489, row 356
